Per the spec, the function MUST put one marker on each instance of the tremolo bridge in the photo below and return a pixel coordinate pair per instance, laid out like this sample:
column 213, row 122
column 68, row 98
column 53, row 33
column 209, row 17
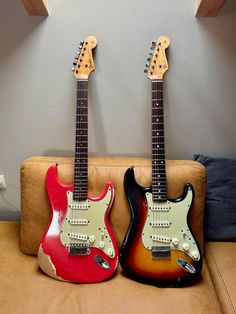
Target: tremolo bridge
column 78, row 249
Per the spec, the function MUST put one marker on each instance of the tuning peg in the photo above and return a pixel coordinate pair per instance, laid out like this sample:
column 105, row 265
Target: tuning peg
column 80, row 47
column 74, row 63
column 81, row 42
column 154, row 42
column 150, row 54
column 145, row 71
column 78, row 52
column 148, row 59
column 147, row 65
column 72, row 69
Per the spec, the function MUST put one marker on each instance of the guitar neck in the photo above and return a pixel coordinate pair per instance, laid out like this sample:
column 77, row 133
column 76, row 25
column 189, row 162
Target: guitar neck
column 159, row 186
column 81, row 143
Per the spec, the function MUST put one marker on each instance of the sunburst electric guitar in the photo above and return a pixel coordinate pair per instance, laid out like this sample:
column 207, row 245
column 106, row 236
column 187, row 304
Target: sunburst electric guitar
column 159, row 247
column 79, row 245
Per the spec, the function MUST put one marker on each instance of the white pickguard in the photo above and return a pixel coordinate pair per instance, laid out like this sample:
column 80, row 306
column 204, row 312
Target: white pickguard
column 166, row 225
column 84, row 224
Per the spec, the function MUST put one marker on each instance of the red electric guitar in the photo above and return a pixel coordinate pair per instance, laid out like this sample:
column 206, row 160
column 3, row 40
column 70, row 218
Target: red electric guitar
column 79, row 245
column 159, row 246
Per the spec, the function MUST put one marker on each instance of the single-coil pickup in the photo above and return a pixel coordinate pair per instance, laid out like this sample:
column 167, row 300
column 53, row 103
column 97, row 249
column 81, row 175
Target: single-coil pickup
column 77, row 236
column 161, row 223
column 79, row 206
column 158, row 208
column 159, row 238
column 80, row 222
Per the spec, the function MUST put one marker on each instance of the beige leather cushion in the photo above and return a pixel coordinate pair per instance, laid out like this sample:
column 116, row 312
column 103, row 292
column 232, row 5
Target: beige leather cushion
column 35, row 211
column 25, row 289
column 221, row 260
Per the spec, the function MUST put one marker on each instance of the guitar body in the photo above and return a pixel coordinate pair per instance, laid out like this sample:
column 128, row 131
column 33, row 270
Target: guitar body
column 161, row 255
column 78, row 244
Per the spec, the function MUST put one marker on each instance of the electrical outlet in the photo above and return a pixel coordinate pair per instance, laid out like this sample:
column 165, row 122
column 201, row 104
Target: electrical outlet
column 2, row 182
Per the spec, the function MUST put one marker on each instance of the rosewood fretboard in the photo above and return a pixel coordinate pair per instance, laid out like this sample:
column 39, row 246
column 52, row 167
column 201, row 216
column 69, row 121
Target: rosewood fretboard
column 159, row 187
column 81, row 143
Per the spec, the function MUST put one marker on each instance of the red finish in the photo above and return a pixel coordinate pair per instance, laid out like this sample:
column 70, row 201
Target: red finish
column 74, row 268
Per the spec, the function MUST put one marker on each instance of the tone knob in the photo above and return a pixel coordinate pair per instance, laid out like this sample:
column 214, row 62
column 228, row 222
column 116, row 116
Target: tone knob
column 101, row 244
column 186, row 246
column 175, row 241
column 92, row 238
column 195, row 254
column 110, row 252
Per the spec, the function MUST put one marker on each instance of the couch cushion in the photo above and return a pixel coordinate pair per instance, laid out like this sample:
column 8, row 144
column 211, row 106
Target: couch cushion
column 221, row 261
column 25, row 289
column 35, row 209
column 220, row 212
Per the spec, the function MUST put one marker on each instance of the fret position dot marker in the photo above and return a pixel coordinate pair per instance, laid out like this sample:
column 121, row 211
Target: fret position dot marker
column 157, row 119
column 157, row 104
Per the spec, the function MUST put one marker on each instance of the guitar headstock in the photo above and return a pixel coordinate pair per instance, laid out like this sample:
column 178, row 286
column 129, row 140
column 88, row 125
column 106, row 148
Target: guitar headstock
column 157, row 63
column 84, row 63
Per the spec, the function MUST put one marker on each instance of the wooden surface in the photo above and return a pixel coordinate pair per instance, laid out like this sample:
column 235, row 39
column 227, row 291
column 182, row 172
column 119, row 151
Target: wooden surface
column 208, row 7
column 36, row 7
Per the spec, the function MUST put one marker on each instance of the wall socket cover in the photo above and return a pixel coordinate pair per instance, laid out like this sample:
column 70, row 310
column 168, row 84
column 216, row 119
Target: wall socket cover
column 2, row 182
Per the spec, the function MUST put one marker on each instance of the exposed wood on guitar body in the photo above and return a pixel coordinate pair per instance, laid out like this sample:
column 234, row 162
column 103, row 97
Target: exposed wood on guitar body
column 46, row 264
column 208, row 7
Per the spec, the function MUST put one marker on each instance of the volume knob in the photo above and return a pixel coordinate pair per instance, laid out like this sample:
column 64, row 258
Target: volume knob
column 175, row 241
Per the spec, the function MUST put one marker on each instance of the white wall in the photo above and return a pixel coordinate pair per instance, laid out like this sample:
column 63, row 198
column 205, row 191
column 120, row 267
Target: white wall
column 37, row 88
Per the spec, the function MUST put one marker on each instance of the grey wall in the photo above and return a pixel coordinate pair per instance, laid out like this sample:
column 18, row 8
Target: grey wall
column 37, row 88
